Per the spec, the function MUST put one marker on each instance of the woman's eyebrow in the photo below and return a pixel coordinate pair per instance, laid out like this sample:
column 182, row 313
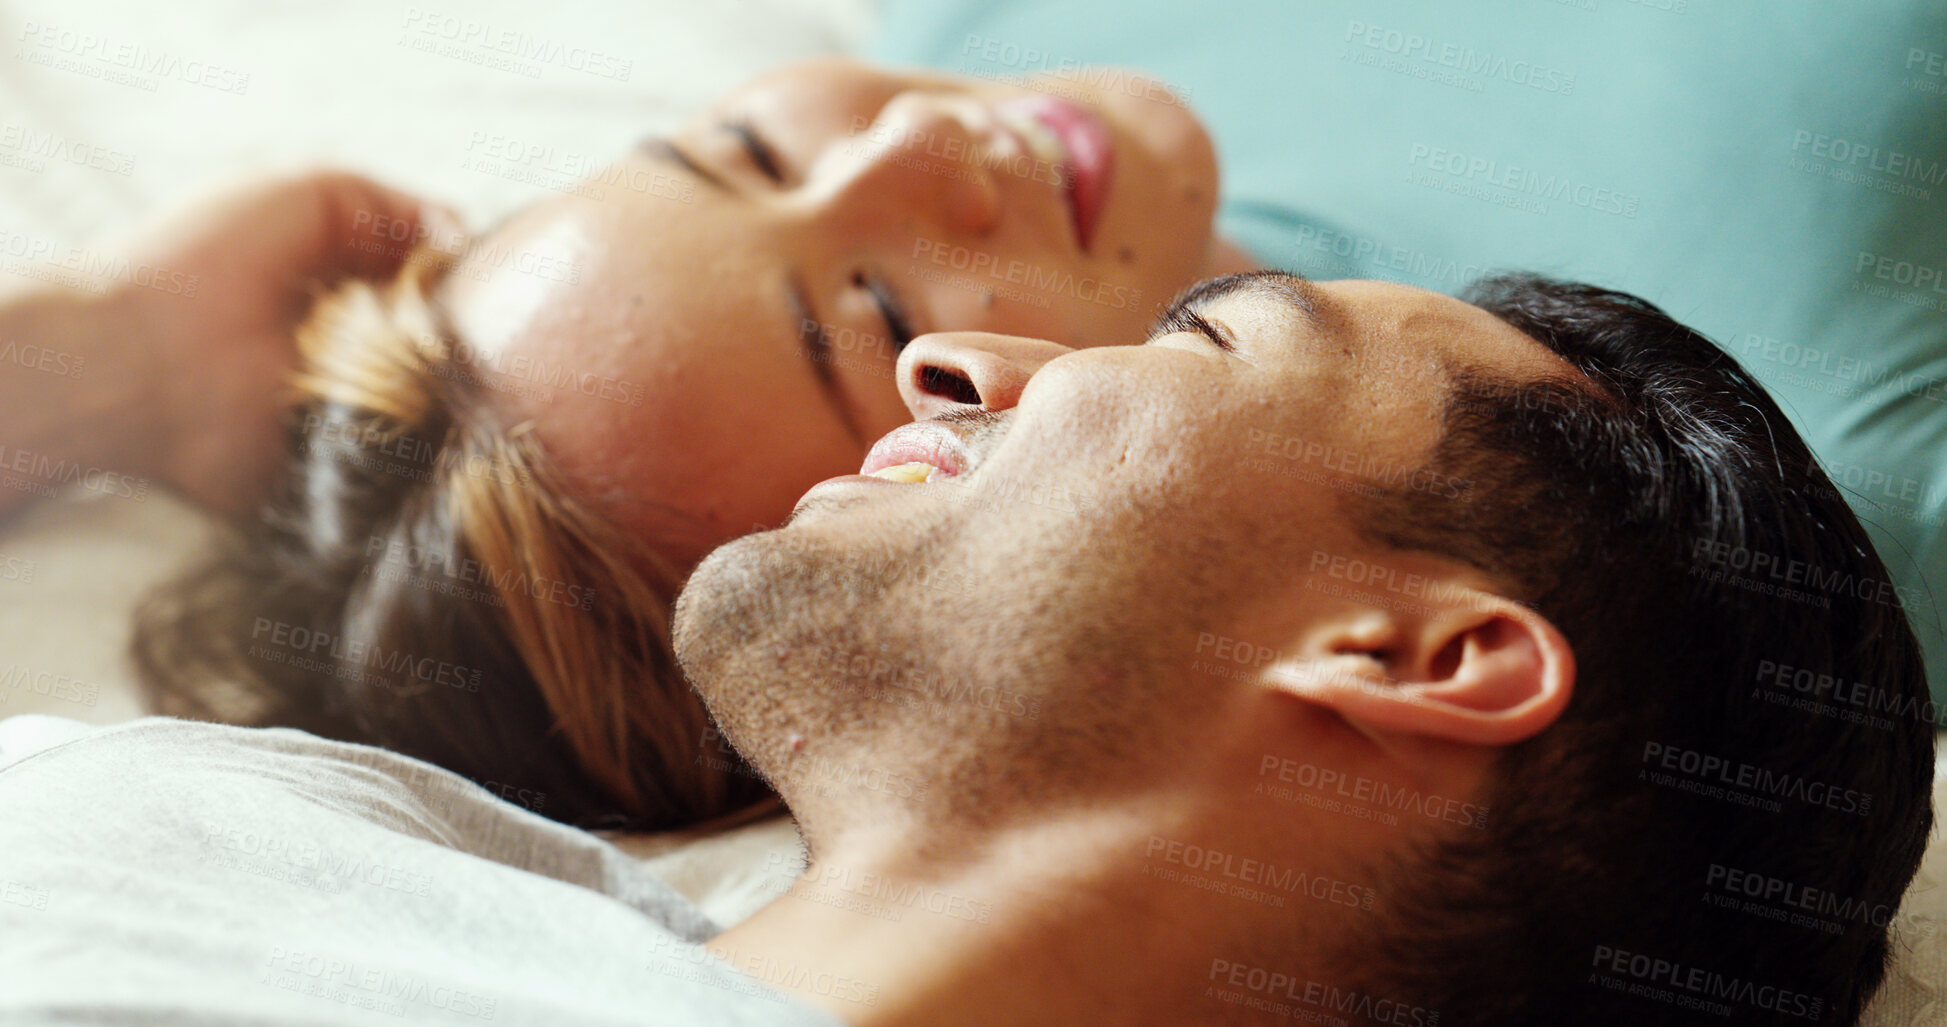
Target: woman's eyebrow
column 816, row 345
column 661, row 148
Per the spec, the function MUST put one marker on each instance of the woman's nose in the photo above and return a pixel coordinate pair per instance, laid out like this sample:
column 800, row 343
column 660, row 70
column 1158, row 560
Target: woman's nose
column 948, row 371
column 918, row 167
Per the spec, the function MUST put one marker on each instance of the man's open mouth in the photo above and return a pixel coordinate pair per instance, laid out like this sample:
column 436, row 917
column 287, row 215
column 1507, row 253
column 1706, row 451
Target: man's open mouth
column 918, row 452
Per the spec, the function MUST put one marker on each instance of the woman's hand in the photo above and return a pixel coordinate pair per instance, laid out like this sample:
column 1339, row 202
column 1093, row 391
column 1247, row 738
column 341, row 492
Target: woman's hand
column 212, row 322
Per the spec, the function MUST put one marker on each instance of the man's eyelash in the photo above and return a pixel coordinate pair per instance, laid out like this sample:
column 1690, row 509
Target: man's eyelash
column 760, row 151
column 1183, row 318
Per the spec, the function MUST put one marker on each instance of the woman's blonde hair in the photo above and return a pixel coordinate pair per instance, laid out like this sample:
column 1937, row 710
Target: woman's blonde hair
column 424, row 582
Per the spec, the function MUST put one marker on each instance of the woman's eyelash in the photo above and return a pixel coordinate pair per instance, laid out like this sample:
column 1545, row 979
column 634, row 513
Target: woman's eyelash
column 897, row 323
column 760, row 152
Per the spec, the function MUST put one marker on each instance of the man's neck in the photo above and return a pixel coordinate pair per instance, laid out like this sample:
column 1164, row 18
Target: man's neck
column 1086, row 919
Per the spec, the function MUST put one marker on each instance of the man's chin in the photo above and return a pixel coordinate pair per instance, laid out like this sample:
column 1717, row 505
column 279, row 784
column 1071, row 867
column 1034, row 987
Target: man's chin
column 712, row 601
column 754, row 596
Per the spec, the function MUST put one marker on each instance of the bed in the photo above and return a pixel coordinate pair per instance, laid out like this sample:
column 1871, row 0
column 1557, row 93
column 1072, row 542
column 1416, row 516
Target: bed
column 113, row 109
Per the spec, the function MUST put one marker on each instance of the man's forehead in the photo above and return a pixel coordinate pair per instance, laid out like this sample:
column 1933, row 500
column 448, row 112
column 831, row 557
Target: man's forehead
column 1367, row 368
column 1367, row 320
column 1400, row 321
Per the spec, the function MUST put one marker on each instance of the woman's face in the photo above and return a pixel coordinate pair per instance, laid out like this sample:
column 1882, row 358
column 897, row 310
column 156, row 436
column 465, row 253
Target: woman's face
column 709, row 326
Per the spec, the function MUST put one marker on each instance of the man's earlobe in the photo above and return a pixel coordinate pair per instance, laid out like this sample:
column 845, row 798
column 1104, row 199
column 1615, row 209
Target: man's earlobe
column 1493, row 674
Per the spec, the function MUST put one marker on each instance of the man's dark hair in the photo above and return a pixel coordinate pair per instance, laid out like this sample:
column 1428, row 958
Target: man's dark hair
column 1723, row 821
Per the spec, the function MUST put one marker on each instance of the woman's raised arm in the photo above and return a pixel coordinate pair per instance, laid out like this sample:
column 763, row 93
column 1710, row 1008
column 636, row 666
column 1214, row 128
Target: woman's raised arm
column 174, row 372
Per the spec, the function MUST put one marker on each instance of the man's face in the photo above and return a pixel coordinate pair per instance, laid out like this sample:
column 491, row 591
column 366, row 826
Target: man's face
column 1034, row 609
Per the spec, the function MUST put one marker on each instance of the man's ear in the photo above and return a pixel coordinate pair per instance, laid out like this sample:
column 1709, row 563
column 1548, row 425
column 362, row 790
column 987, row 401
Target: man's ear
column 1484, row 671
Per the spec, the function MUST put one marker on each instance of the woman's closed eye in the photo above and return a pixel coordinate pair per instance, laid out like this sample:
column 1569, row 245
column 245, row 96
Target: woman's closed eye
column 762, row 156
column 899, row 324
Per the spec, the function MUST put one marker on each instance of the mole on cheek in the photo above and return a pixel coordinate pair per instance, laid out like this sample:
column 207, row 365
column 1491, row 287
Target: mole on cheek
column 1125, row 255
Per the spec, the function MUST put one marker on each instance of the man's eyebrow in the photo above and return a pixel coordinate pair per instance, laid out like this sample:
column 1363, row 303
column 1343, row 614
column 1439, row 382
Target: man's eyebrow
column 661, row 148
column 816, row 345
column 1296, row 291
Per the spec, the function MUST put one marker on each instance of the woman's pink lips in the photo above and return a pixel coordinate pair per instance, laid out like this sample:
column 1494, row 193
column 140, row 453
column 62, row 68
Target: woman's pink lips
column 918, row 443
column 1091, row 156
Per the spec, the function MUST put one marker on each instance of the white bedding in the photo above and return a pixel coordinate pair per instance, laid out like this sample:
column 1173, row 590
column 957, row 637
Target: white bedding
column 237, row 876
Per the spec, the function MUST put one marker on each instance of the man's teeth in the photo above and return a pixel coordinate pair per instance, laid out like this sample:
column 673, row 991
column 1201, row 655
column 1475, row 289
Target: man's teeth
column 905, row 472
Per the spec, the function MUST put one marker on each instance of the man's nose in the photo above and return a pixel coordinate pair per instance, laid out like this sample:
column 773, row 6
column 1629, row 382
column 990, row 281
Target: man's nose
column 918, row 167
column 948, row 371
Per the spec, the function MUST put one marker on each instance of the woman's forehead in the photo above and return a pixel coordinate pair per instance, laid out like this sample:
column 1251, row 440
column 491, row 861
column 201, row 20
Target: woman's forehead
column 596, row 274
